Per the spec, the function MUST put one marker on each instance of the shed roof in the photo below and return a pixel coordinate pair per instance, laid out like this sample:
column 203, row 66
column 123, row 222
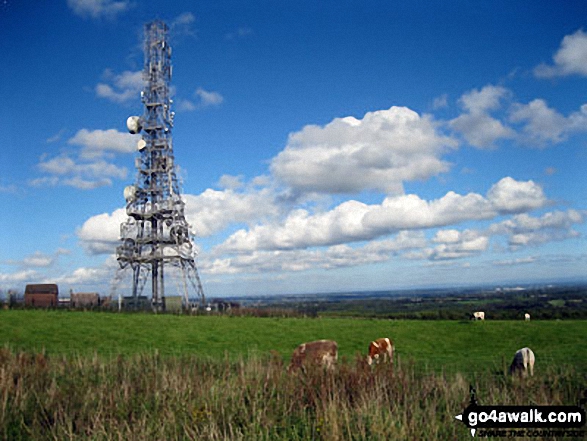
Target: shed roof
column 42, row 288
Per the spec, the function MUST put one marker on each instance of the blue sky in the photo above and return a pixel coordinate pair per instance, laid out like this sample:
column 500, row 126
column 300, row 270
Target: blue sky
column 323, row 146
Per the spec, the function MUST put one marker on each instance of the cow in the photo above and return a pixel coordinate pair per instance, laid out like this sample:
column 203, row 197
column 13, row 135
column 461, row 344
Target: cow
column 478, row 316
column 527, row 317
column 315, row 353
column 523, row 362
column 381, row 346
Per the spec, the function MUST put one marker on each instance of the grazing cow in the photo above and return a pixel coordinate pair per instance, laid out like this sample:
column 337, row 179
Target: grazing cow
column 381, row 346
column 527, row 317
column 478, row 316
column 316, row 353
column 523, row 362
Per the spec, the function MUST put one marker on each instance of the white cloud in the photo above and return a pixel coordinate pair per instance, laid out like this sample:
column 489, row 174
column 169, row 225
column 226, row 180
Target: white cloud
column 98, row 8
column 183, row 105
column 208, row 213
column 122, row 88
column 543, row 124
column 19, row 277
column 213, row 210
column 182, row 25
column 570, row 59
column 97, row 142
column 87, row 168
column 481, row 130
column 524, row 230
column 510, row 196
column 354, row 221
column 481, row 101
column 100, row 234
column 208, row 98
column 337, row 256
column 463, row 244
column 478, row 127
column 38, row 259
column 86, row 276
column 81, row 175
column 349, row 155
column 447, row 236
column 440, row 102
column 204, row 99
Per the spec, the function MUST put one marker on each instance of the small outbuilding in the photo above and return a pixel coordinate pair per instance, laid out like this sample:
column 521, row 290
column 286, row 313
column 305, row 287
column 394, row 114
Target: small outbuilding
column 45, row 295
column 85, row 300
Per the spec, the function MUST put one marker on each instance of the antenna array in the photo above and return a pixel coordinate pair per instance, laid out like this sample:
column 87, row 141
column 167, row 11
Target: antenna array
column 156, row 237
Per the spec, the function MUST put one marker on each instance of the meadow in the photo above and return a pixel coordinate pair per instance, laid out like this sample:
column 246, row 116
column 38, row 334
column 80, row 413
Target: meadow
column 98, row 375
column 464, row 346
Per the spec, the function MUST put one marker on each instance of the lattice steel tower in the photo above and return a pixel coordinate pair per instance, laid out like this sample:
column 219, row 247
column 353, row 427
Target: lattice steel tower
column 156, row 238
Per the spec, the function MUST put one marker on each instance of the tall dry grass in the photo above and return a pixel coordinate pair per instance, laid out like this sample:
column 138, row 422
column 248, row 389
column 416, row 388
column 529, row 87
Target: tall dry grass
column 149, row 397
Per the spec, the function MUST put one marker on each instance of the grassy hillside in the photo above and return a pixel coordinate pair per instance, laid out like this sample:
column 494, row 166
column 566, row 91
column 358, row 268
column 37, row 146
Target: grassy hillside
column 108, row 376
column 451, row 345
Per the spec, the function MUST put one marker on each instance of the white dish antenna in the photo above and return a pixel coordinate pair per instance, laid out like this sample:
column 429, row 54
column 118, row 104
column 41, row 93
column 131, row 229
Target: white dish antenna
column 133, row 123
column 141, row 145
column 130, row 193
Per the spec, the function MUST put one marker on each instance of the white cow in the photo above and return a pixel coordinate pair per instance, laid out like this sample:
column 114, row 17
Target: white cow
column 317, row 353
column 523, row 362
column 527, row 317
column 480, row 315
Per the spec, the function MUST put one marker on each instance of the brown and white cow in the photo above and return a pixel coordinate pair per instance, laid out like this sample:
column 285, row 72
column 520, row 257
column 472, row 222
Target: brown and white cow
column 315, row 353
column 383, row 347
column 480, row 315
column 523, row 362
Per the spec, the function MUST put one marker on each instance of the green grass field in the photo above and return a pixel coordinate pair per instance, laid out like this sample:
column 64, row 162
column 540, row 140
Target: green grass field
column 109, row 376
column 464, row 346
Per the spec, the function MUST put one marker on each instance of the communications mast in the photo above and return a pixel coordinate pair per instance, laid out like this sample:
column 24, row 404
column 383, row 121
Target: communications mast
column 156, row 238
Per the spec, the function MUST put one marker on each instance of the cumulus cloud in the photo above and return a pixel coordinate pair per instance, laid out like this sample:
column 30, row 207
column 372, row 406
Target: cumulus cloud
column 354, row 221
column 98, row 8
column 338, row 256
column 453, row 244
column 89, row 167
column 121, row 88
column 478, row 127
column 510, row 196
column 81, row 175
column 214, row 210
column 207, row 213
column 19, row 278
column 348, row 155
column 96, row 143
column 543, row 125
column 524, row 230
column 570, row 59
column 100, row 234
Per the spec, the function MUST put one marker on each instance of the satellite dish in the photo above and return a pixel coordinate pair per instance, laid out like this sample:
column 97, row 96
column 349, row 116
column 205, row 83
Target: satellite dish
column 141, row 145
column 130, row 193
column 133, row 123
